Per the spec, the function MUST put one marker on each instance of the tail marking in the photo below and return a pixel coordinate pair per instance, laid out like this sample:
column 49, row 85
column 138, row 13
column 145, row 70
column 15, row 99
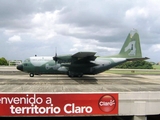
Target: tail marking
column 131, row 46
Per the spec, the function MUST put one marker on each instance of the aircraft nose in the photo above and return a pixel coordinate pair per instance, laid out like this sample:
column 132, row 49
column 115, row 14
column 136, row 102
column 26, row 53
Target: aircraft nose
column 20, row 67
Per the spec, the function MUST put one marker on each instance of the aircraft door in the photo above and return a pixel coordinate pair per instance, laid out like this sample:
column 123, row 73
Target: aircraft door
column 37, row 70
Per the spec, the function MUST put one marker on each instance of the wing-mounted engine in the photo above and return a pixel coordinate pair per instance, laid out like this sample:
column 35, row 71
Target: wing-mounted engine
column 80, row 63
column 77, row 64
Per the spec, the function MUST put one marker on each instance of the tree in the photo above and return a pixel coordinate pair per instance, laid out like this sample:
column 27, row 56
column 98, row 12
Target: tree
column 139, row 64
column 3, row 61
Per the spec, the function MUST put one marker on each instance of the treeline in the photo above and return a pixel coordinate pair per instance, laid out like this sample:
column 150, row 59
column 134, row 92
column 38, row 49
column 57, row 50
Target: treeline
column 3, row 61
column 140, row 64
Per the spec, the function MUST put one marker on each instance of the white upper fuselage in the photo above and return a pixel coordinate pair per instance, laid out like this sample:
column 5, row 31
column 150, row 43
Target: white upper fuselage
column 41, row 60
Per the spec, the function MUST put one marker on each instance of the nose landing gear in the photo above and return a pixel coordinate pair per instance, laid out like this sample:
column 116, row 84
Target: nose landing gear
column 31, row 74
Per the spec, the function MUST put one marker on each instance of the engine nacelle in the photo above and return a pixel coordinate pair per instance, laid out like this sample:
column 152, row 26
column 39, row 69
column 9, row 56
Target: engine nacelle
column 63, row 69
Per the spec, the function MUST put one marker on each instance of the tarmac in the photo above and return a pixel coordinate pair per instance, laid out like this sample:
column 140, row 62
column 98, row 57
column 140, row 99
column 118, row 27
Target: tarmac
column 12, row 80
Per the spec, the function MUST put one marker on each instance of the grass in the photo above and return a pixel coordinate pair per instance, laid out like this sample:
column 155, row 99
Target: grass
column 135, row 71
column 154, row 71
column 156, row 66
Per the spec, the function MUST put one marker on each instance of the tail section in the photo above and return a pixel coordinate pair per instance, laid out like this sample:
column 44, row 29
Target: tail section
column 131, row 47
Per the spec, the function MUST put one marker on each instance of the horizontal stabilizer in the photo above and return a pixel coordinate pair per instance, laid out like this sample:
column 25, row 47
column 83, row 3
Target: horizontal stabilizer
column 133, row 59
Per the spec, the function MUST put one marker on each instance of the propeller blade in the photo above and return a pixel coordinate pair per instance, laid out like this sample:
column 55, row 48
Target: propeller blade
column 55, row 57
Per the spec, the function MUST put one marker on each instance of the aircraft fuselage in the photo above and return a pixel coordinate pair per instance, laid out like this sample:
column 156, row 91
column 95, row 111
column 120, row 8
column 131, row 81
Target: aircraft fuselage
column 46, row 65
column 82, row 63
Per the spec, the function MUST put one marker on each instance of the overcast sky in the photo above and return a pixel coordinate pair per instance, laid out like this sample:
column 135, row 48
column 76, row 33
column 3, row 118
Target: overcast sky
column 29, row 27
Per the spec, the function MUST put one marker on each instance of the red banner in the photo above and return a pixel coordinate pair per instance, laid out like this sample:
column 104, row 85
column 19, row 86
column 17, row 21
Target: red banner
column 60, row 104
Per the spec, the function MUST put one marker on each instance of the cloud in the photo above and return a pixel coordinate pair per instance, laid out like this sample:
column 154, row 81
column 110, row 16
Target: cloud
column 136, row 12
column 79, row 25
column 14, row 38
column 155, row 48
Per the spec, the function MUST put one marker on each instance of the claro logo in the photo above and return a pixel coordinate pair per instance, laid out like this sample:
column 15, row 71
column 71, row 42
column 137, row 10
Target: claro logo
column 107, row 103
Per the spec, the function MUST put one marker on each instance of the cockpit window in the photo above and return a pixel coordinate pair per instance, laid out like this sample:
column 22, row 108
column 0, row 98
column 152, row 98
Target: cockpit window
column 27, row 60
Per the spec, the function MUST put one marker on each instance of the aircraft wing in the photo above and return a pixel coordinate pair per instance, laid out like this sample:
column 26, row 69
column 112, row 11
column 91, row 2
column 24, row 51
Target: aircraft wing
column 83, row 57
column 83, row 54
column 81, row 60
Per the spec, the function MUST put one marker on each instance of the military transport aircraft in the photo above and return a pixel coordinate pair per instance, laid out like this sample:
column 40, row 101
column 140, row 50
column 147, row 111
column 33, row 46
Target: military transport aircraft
column 82, row 63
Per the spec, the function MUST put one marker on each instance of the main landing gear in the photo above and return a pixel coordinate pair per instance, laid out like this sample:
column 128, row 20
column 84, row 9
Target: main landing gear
column 70, row 74
column 73, row 74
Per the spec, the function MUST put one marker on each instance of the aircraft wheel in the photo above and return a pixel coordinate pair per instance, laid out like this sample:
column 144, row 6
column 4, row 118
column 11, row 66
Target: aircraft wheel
column 80, row 75
column 70, row 74
column 31, row 75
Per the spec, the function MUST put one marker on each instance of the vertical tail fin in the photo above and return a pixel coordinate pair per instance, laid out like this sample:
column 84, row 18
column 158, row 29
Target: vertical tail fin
column 131, row 47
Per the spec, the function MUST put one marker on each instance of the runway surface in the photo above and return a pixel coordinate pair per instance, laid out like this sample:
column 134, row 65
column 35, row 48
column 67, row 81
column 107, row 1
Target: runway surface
column 15, row 81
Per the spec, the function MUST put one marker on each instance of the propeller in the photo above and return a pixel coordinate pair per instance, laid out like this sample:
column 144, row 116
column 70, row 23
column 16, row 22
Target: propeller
column 55, row 58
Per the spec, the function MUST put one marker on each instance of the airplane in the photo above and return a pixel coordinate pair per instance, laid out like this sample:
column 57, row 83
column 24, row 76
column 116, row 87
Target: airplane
column 83, row 63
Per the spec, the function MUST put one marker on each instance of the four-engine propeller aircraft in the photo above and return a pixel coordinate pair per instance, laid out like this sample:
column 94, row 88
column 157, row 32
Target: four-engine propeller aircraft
column 82, row 63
